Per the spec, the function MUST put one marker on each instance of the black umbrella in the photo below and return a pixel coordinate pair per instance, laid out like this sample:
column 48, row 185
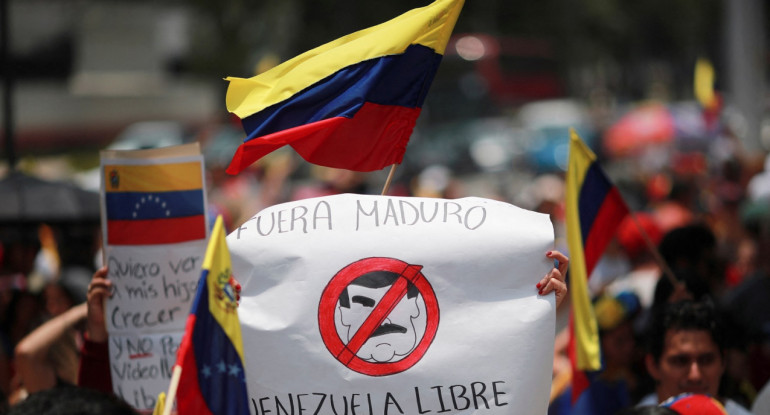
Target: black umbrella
column 27, row 199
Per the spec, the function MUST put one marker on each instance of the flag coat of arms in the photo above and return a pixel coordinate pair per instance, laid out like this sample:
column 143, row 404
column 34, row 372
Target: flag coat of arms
column 373, row 304
column 211, row 353
column 351, row 103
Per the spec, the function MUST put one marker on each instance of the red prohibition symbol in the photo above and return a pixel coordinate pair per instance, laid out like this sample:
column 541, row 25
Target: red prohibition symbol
column 346, row 351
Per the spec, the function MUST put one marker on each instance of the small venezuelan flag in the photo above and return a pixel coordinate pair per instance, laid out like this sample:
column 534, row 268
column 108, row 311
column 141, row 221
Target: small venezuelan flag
column 151, row 204
column 351, row 103
column 211, row 353
column 594, row 210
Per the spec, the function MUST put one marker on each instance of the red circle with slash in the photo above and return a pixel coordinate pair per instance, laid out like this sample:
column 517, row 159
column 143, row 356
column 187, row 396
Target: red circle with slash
column 346, row 353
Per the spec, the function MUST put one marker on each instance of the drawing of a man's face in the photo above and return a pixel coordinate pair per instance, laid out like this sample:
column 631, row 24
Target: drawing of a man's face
column 396, row 336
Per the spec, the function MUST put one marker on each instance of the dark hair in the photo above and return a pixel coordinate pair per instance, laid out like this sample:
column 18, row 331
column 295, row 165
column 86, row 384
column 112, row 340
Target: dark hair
column 684, row 315
column 72, row 400
column 648, row 410
column 376, row 279
column 689, row 251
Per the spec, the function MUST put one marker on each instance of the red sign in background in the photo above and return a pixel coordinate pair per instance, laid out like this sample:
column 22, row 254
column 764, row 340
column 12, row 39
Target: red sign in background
column 346, row 353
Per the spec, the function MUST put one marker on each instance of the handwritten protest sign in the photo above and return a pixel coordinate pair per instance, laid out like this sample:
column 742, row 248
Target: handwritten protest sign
column 371, row 305
column 155, row 228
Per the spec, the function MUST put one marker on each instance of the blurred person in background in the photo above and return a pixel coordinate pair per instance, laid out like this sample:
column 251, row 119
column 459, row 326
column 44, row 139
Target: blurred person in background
column 645, row 271
column 19, row 308
column 748, row 303
column 613, row 388
column 72, row 400
column 690, row 252
column 49, row 355
column 686, row 353
column 648, row 410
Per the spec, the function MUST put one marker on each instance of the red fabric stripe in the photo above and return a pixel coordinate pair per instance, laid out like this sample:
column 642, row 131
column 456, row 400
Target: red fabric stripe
column 189, row 398
column 580, row 381
column 156, row 231
column 373, row 139
column 603, row 228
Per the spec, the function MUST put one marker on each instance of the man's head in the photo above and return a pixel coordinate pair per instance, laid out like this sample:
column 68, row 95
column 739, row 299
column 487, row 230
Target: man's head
column 71, row 400
column 686, row 350
column 396, row 336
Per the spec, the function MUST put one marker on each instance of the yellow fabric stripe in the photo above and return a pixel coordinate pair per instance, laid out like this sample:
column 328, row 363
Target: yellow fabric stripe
column 153, row 177
column 430, row 26
column 704, row 83
column 586, row 330
column 222, row 308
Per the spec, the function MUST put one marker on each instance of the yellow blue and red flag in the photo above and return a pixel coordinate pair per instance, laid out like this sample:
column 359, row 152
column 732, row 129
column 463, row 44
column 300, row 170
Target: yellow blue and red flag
column 594, row 210
column 148, row 204
column 211, row 353
column 351, row 103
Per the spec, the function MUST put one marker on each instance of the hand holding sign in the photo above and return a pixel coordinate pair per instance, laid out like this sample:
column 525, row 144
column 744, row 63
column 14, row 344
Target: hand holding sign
column 398, row 305
column 99, row 290
column 554, row 280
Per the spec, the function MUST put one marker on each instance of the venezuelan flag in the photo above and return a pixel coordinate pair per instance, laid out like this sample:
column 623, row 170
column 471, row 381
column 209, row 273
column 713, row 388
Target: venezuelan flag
column 594, row 210
column 152, row 204
column 351, row 103
column 211, row 353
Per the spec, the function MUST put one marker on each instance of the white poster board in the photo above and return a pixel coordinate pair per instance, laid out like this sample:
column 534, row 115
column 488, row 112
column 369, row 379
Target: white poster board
column 155, row 230
column 384, row 305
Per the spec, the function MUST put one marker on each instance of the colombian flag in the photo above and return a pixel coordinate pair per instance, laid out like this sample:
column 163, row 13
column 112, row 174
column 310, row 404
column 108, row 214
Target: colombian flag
column 351, row 103
column 594, row 210
column 211, row 354
column 152, row 204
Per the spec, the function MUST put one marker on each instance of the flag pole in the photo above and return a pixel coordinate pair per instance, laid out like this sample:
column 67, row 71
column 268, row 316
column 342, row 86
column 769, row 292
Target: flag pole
column 390, row 179
column 655, row 252
column 172, row 387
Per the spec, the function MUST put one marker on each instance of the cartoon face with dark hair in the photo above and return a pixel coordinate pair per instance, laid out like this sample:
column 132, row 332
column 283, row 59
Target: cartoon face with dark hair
column 396, row 337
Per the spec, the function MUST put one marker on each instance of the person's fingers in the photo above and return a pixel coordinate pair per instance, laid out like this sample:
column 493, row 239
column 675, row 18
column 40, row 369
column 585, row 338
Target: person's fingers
column 561, row 270
column 554, row 280
column 546, row 285
column 562, row 261
column 99, row 285
column 100, row 273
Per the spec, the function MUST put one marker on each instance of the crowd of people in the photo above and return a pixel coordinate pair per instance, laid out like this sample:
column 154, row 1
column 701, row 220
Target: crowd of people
column 680, row 294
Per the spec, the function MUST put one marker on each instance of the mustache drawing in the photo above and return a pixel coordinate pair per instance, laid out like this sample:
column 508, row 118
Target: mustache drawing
column 388, row 328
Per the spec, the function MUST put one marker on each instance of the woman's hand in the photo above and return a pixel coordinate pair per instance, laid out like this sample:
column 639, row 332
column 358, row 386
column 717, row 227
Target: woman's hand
column 554, row 280
column 99, row 290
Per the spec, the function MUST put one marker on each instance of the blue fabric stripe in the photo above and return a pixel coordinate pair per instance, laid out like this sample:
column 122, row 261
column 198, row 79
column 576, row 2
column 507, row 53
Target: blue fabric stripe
column 594, row 190
column 154, row 205
column 221, row 377
column 399, row 80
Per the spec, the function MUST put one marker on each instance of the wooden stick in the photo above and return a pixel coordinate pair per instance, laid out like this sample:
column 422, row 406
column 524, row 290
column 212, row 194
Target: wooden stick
column 171, row 395
column 390, row 178
column 655, row 253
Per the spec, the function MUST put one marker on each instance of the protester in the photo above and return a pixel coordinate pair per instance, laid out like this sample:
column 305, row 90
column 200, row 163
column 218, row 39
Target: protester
column 71, row 400
column 94, row 369
column 648, row 410
column 686, row 353
column 690, row 252
column 611, row 389
column 48, row 356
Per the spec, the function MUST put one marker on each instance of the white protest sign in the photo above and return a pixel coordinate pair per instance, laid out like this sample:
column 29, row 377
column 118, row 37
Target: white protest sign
column 155, row 228
column 384, row 305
